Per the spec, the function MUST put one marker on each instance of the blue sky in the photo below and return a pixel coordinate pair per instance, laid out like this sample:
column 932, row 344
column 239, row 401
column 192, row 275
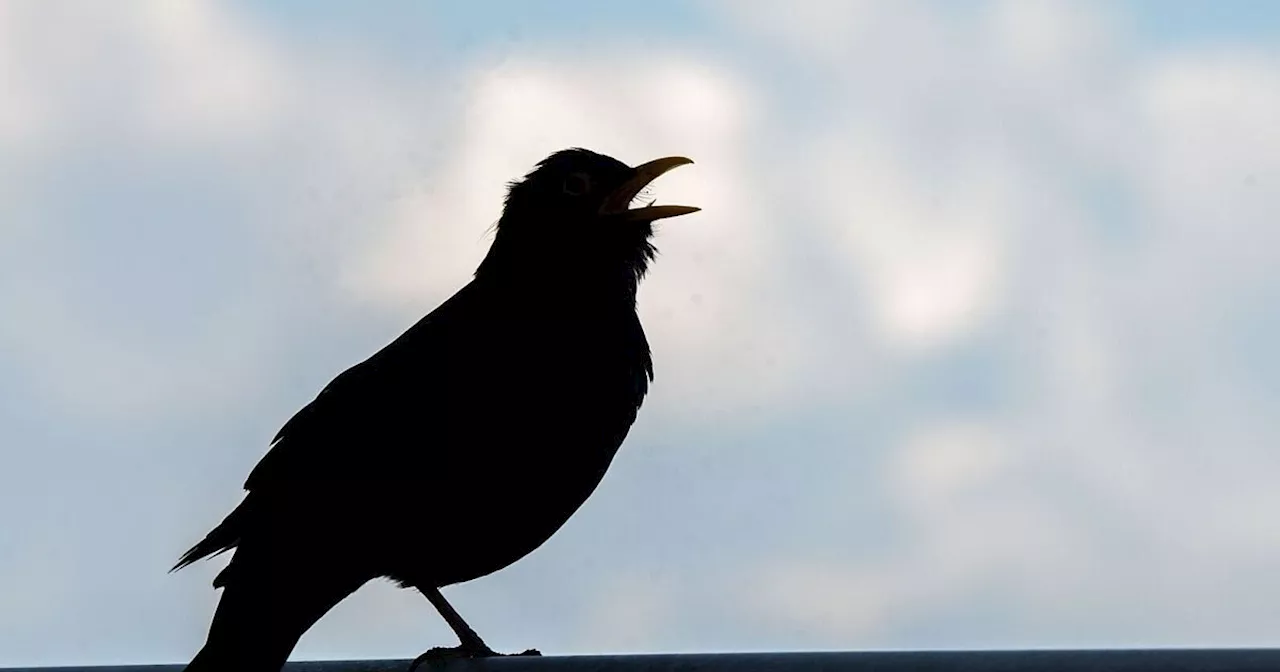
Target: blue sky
column 971, row 345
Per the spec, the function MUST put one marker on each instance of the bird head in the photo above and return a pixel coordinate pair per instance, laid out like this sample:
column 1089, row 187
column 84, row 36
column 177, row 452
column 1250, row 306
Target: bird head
column 573, row 212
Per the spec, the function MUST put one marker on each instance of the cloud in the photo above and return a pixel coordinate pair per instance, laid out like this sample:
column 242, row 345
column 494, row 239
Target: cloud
column 1017, row 180
column 928, row 252
column 194, row 73
column 157, row 75
column 973, row 529
column 164, row 150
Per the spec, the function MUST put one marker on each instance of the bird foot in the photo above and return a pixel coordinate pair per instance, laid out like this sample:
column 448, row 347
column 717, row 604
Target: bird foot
column 443, row 653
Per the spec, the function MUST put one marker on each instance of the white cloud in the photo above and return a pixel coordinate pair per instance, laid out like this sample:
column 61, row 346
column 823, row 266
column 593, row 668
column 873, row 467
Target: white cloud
column 945, row 460
column 835, row 31
column 1214, row 154
column 215, row 76
column 930, row 253
column 973, row 521
column 961, row 186
column 21, row 114
column 157, row 73
column 202, row 95
column 1051, row 36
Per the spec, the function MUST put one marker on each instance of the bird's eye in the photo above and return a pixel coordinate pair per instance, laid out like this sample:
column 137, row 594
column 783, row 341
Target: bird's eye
column 577, row 184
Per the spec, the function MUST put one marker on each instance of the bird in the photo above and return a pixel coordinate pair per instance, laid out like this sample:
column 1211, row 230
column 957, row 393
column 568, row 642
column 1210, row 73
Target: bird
column 465, row 443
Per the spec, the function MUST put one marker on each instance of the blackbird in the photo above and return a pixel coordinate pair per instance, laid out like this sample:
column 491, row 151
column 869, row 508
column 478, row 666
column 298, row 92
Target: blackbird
column 466, row 442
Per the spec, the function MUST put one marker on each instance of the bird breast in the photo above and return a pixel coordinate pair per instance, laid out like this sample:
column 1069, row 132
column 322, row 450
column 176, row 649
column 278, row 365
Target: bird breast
column 533, row 430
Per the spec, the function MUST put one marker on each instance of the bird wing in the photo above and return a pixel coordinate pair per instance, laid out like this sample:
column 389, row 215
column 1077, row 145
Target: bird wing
column 340, row 436
column 341, row 431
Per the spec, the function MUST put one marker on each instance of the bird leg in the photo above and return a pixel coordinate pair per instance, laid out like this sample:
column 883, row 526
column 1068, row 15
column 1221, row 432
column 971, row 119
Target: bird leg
column 471, row 644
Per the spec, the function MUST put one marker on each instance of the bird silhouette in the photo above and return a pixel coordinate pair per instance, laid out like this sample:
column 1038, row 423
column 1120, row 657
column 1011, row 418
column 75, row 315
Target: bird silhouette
column 465, row 443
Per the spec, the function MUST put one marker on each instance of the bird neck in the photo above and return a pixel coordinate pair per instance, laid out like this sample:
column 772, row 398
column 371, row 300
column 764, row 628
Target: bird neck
column 594, row 291
column 510, row 267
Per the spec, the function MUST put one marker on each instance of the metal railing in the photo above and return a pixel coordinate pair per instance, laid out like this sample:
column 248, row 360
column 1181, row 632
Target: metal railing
column 1108, row 660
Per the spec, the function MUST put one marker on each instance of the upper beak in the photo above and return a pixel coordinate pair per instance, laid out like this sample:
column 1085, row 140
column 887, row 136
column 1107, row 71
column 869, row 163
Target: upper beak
column 616, row 205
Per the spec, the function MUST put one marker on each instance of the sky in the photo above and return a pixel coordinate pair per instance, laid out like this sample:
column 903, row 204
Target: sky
column 972, row 345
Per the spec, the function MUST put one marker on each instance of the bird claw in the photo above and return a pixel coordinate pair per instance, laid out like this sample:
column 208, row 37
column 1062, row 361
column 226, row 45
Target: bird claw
column 443, row 653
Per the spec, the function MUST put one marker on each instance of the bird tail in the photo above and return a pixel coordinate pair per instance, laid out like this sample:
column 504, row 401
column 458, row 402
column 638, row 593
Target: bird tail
column 241, row 639
column 220, row 539
column 262, row 615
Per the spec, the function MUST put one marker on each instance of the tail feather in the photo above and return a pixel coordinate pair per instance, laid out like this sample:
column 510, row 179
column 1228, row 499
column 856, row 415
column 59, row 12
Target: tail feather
column 262, row 615
column 220, row 539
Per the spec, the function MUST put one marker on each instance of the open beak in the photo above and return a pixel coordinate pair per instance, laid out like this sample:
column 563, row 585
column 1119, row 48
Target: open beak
column 616, row 205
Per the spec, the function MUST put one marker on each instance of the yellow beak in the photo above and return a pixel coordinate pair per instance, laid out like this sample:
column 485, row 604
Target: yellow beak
column 616, row 205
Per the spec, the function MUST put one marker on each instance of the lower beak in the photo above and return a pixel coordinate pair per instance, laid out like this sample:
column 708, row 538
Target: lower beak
column 616, row 205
